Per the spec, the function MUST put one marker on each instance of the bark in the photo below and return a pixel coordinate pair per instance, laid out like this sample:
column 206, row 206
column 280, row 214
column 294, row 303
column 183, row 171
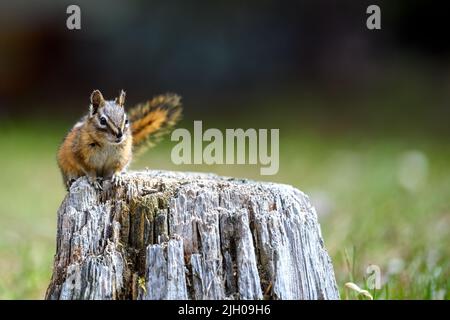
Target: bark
column 169, row 235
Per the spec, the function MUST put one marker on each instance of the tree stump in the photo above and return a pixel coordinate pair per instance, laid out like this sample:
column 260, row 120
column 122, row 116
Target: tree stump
column 173, row 235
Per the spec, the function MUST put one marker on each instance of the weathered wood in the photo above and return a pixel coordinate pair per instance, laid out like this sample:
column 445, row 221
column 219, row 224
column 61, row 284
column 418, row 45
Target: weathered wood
column 168, row 235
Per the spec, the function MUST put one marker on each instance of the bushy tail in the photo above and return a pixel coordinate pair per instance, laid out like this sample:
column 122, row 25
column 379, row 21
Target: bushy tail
column 153, row 119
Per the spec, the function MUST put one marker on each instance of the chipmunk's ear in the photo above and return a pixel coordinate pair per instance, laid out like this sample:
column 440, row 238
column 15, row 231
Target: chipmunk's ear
column 121, row 99
column 96, row 101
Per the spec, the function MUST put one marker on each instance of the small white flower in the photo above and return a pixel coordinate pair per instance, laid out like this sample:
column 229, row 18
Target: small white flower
column 412, row 170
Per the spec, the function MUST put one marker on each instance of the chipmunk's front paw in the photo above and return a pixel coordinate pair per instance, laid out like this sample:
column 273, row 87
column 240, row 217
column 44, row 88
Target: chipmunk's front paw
column 96, row 182
column 117, row 179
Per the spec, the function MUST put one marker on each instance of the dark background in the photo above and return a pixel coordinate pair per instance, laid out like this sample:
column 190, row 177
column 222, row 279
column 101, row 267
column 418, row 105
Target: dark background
column 231, row 57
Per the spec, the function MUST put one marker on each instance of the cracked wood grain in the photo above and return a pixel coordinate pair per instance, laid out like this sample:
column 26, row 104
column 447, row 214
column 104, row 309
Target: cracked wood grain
column 173, row 235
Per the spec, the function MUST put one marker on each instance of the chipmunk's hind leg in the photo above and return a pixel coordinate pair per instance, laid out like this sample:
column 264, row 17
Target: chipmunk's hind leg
column 68, row 181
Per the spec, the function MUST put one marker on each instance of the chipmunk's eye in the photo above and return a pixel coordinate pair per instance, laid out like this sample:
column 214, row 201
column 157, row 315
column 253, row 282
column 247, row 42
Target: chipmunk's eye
column 103, row 121
column 126, row 122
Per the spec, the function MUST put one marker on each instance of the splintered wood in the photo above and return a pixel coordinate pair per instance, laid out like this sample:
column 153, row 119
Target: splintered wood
column 173, row 235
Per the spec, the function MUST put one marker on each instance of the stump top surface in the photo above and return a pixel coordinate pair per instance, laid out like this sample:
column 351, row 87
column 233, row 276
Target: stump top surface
column 138, row 183
column 180, row 177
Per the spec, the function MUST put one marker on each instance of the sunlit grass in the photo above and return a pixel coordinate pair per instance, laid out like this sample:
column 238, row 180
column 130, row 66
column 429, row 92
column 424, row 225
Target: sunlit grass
column 366, row 213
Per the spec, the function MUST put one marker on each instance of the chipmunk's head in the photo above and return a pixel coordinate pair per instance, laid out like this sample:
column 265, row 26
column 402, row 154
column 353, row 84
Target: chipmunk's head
column 109, row 118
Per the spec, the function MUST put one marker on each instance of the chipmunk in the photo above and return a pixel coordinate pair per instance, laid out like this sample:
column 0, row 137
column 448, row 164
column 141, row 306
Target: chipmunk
column 100, row 146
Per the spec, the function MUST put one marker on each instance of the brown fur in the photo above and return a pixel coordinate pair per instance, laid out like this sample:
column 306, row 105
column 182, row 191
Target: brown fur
column 88, row 150
column 85, row 152
column 151, row 120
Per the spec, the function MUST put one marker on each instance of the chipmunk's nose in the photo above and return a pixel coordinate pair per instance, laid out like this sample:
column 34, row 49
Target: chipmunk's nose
column 119, row 134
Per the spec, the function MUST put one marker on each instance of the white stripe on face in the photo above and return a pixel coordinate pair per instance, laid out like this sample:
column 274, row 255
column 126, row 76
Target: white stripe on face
column 123, row 122
column 109, row 124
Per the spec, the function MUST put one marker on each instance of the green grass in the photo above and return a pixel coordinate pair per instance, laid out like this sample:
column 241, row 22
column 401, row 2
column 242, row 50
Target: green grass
column 367, row 215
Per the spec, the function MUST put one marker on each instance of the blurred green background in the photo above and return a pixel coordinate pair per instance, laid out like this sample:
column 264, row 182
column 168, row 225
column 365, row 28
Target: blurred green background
column 363, row 118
